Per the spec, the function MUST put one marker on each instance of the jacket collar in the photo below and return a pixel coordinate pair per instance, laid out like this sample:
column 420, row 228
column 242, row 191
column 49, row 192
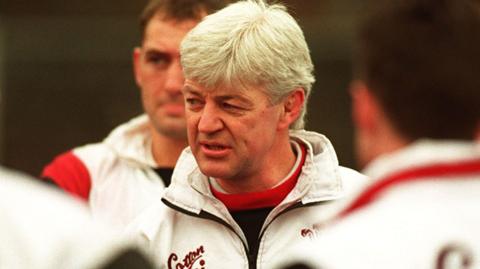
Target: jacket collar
column 132, row 141
column 319, row 181
column 418, row 155
column 421, row 153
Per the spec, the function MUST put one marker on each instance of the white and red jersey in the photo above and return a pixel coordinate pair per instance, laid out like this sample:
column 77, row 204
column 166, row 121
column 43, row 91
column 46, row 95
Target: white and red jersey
column 422, row 210
column 117, row 177
column 193, row 228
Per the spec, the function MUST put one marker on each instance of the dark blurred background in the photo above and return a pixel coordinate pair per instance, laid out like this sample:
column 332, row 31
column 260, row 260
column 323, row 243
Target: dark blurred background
column 66, row 75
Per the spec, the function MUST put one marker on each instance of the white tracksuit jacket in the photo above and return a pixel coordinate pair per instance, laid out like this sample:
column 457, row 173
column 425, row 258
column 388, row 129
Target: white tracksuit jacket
column 116, row 176
column 425, row 215
column 193, row 229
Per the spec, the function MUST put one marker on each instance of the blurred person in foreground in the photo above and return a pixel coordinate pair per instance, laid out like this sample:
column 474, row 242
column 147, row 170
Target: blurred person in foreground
column 416, row 107
column 42, row 228
column 253, row 181
column 121, row 175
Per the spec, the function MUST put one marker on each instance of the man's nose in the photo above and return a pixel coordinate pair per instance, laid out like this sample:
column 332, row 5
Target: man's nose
column 175, row 79
column 210, row 120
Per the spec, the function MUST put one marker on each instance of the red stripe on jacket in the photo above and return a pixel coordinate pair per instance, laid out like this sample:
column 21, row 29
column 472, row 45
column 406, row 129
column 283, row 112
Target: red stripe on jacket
column 442, row 171
column 69, row 173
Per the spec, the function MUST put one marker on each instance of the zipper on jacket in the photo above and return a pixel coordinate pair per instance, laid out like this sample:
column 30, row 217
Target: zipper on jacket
column 209, row 216
column 252, row 257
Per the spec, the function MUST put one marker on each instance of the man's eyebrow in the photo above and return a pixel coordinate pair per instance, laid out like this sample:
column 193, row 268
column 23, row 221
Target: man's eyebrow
column 154, row 51
column 190, row 90
column 238, row 97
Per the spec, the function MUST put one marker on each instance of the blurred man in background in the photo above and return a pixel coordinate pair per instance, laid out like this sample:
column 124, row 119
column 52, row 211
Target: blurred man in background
column 416, row 107
column 253, row 181
column 121, row 175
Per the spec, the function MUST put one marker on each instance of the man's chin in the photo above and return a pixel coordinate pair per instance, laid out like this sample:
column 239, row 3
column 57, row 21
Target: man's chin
column 212, row 171
column 172, row 130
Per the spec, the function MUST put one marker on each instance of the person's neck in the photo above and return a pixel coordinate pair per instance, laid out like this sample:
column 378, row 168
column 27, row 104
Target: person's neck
column 385, row 140
column 273, row 169
column 166, row 149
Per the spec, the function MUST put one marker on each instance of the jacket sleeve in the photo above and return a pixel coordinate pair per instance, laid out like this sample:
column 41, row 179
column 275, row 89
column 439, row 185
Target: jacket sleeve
column 68, row 172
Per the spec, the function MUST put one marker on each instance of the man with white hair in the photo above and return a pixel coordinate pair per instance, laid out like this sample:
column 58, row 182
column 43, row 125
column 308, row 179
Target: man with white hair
column 252, row 181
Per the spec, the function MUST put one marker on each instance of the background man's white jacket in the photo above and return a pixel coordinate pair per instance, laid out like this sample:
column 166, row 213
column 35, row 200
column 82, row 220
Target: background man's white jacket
column 430, row 220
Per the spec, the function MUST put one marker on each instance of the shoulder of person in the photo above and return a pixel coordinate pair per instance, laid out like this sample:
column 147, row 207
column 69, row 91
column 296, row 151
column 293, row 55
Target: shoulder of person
column 352, row 179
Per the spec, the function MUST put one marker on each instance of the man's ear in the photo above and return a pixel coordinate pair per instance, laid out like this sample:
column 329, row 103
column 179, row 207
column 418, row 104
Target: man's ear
column 365, row 108
column 292, row 108
column 136, row 59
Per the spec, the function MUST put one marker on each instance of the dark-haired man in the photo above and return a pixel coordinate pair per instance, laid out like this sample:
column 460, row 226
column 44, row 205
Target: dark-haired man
column 121, row 175
column 416, row 106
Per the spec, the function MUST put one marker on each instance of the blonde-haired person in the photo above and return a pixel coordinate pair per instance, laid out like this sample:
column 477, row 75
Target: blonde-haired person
column 252, row 182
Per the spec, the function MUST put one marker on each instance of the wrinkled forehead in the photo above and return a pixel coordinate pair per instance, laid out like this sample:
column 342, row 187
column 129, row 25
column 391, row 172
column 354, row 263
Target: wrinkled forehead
column 245, row 91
